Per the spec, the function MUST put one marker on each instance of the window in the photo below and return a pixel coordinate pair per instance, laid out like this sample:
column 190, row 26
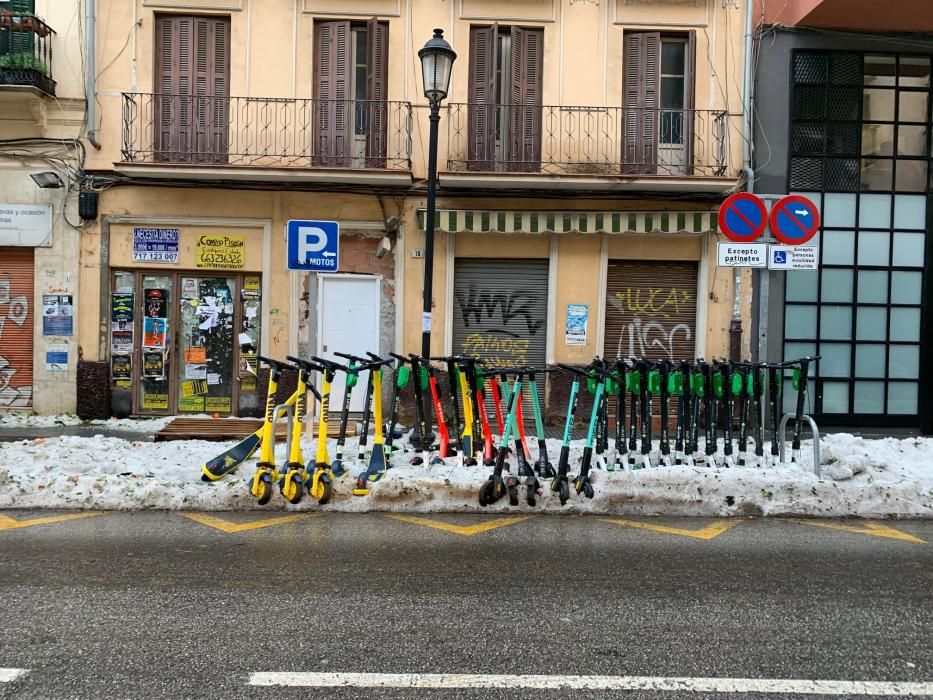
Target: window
column 350, row 90
column 504, row 110
column 658, row 114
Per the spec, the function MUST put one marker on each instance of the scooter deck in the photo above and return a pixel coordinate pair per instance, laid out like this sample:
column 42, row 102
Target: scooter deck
column 228, row 461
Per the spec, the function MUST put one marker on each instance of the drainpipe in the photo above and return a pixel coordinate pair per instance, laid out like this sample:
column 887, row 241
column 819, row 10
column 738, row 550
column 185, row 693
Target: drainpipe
column 735, row 328
column 90, row 87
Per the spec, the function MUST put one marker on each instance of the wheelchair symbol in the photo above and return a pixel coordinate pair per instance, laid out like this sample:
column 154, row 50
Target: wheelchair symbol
column 780, row 257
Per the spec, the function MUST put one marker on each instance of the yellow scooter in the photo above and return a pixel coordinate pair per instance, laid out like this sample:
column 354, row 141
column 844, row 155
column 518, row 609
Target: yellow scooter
column 292, row 483
column 266, row 473
column 320, row 481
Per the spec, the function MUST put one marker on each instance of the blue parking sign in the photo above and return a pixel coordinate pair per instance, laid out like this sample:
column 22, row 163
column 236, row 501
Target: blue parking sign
column 313, row 246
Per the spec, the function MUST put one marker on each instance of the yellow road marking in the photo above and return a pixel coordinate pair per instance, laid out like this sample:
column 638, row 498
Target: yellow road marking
column 868, row 528
column 706, row 533
column 465, row 530
column 227, row 526
column 8, row 523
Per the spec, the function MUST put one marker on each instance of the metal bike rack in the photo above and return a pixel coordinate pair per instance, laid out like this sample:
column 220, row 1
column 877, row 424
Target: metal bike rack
column 785, row 419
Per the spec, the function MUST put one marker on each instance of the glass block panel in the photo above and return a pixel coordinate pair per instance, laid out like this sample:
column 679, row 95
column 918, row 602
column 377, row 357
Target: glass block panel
column 790, row 396
column 912, row 107
column 905, row 325
column 910, row 176
column 872, row 287
column 838, row 246
column 842, row 174
column 794, row 350
column 904, row 361
column 914, row 71
column 874, row 211
column 908, row 249
column 869, row 360
column 880, row 70
column 801, row 285
column 877, row 139
column 878, row 105
column 877, row 175
column 836, row 359
column 910, row 212
column 869, row 397
column 806, row 173
column 810, row 68
column 839, row 210
column 836, row 285
column 906, row 287
column 836, row 322
column 902, row 398
column 873, row 248
column 800, row 321
column 835, row 397
column 871, row 323
column 911, row 140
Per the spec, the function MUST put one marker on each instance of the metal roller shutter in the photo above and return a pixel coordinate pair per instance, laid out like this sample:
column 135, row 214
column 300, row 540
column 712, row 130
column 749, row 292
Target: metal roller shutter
column 16, row 327
column 500, row 311
column 651, row 310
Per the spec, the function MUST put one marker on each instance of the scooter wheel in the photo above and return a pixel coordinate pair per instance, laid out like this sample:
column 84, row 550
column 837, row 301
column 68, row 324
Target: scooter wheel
column 264, row 489
column 470, row 462
column 531, row 495
column 588, row 489
column 489, row 462
column 204, row 477
column 292, row 487
column 563, row 490
column 486, row 492
column 327, row 490
column 513, row 493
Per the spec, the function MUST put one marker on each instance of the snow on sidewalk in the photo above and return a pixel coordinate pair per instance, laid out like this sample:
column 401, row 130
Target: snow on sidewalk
column 861, row 477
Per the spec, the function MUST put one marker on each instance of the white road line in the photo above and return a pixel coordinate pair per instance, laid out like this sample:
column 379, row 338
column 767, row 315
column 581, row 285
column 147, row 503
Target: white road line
column 8, row 675
column 655, row 683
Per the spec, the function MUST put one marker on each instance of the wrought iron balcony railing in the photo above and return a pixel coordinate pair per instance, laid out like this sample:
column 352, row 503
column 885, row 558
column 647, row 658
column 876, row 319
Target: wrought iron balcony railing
column 26, row 51
column 270, row 132
column 522, row 138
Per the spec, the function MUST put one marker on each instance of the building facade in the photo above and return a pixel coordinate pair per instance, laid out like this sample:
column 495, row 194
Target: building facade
column 584, row 150
column 41, row 123
column 843, row 117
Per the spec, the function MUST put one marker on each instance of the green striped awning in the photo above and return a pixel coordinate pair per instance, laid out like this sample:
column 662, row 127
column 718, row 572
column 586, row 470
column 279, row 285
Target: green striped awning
column 468, row 221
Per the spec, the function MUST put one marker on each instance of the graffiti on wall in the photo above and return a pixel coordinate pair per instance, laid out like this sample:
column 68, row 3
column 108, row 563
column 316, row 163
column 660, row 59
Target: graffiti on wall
column 650, row 330
column 14, row 313
column 508, row 321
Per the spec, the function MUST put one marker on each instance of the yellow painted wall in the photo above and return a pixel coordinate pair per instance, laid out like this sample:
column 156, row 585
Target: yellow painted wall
column 121, row 246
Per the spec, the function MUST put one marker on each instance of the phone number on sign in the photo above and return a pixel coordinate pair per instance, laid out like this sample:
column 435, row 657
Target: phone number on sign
column 218, row 259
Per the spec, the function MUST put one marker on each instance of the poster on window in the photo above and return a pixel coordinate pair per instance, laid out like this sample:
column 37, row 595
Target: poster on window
column 156, row 301
column 154, row 365
column 154, row 332
column 121, row 306
column 121, row 367
column 57, row 314
column 121, row 341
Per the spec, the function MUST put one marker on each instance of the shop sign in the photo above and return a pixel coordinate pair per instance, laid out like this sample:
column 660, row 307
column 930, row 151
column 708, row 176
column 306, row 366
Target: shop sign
column 743, row 254
column 56, row 357
column 217, row 404
column 121, row 367
column 191, row 403
column 26, row 225
column 216, row 252
column 57, row 314
column 155, row 402
column 154, row 365
column 794, row 257
column 157, row 245
column 575, row 326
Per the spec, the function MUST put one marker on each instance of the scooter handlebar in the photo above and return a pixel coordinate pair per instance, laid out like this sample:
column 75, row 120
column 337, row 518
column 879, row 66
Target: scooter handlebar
column 331, row 365
column 278, row 364
column 304, row 364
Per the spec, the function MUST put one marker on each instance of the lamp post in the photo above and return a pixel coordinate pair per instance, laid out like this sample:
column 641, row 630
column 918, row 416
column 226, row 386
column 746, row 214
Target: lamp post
column 437, row 60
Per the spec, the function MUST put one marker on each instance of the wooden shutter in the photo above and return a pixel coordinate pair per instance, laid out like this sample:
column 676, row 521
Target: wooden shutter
column 192, row 82
column 641, row 85
column 332, row 93
column 375, row 110
column 481, row 110
column 690, row 73
column 525, row 97
column 17, row 301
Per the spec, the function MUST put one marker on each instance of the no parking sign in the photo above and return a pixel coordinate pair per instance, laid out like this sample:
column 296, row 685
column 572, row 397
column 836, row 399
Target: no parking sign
column 794, row 220
column 743, row 217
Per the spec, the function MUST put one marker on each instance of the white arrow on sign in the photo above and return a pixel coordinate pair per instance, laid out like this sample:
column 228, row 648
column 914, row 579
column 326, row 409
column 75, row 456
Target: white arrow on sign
column 801, row 212
column 329, row 254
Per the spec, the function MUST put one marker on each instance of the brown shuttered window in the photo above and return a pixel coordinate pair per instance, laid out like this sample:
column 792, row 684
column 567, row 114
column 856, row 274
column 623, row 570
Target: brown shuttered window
column 641, row 84
column 331, row 88
column 193, row 86
column 377, row 81
column 481, row 110
column 651, row 310
column 525, row 90
column 16, row 327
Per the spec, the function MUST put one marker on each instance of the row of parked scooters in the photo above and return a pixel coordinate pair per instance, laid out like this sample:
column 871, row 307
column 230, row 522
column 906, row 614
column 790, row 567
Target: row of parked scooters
column 737, row 400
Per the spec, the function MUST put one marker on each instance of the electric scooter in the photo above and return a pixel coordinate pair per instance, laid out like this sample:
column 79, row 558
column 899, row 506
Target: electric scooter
column 543, row 466
column 292, row 482
column 321, row 479
column 561, row 482
column 444, row 448
column 400, row 381
column 800, row 379
column 582, row 482
column 421, row 426
column 495, row 487
column 377, row 459
column 352, row 377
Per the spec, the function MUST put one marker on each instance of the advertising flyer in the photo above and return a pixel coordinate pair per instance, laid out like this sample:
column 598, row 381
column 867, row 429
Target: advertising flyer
column 56, row 357
column 155, row 402
column 121, row 367
column 575, row 328
column 154, row 365
column 154, row 332
column 57, row 314
column 121, row 306
column 121, row 341
column 216, row 252
column 156, row 303
column 158, row 245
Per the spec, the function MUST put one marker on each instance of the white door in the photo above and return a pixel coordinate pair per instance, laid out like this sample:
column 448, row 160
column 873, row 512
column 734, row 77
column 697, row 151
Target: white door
column 348, row 322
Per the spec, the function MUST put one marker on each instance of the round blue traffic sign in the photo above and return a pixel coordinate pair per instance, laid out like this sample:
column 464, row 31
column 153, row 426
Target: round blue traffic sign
column 794, row 220
column 743, row 217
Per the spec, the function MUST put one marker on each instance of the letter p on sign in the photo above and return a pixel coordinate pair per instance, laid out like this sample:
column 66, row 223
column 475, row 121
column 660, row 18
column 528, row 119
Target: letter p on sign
column 313, row 246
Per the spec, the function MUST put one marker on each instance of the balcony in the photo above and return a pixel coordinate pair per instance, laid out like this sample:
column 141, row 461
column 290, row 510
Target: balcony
column 26, row 53
column 532, row 146
column 266, row 138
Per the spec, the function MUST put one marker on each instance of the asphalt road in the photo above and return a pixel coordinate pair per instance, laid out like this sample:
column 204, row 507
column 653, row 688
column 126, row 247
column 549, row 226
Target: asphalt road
column 153, row 605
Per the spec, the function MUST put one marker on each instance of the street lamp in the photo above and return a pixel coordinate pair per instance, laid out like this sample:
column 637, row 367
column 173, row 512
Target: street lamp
column 437, row 60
